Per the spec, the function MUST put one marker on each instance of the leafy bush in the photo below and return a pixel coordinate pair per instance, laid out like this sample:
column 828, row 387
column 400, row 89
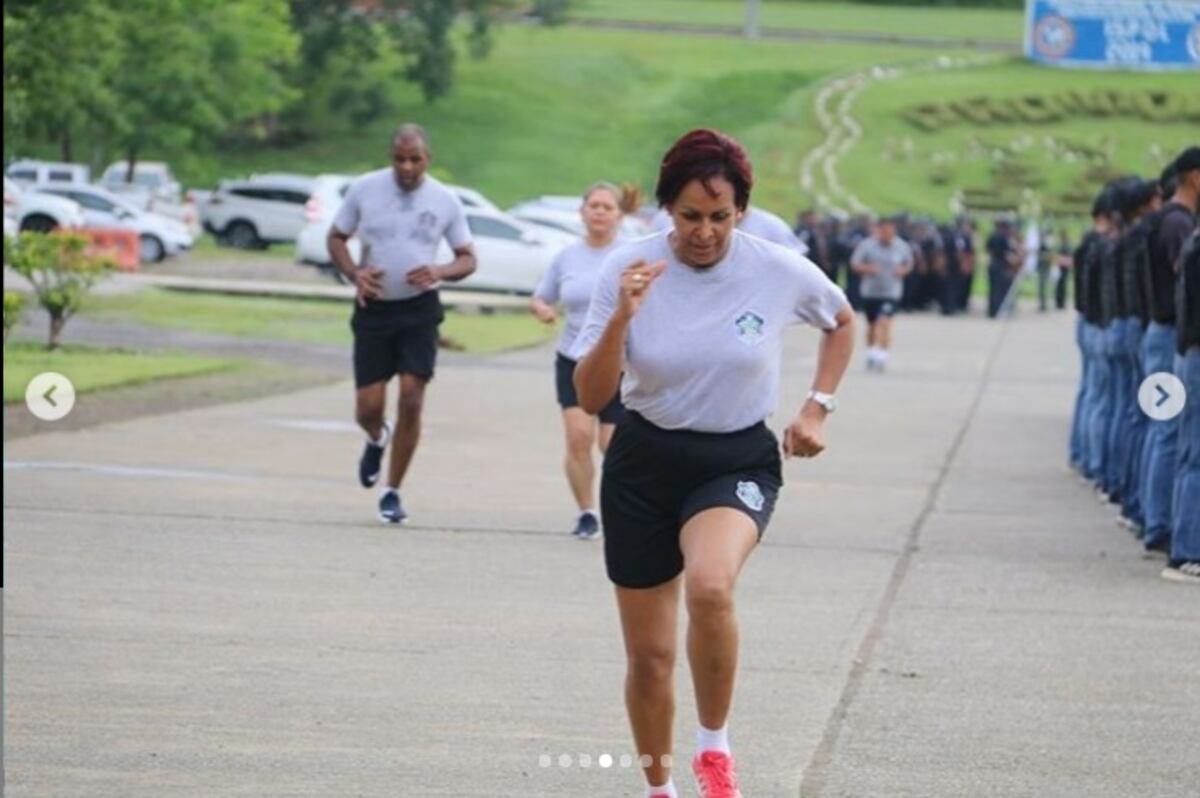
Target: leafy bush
column 61, row 271
column 14, row 303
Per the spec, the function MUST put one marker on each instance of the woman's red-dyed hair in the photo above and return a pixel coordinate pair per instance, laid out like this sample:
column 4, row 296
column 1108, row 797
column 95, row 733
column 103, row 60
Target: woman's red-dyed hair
column 704, row 155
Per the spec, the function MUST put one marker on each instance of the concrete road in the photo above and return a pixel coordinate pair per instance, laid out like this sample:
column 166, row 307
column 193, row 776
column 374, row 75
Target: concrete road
column 203, row 604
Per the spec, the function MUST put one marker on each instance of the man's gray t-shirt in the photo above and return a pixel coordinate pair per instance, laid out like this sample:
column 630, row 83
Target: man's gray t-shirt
column 569, row 281
column 890, row 259
column 756, row 222
column 704, row 350
column 400, row 230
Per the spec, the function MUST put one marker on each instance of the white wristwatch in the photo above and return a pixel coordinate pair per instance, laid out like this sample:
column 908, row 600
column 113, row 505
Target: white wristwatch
column 825, row 400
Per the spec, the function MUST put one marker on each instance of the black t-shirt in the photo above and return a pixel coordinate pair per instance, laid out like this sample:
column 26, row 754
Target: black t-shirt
column 1109, row 275
column 1097, row 308
column 1134, row 259
column 1187, row 296
column 846, row 244
column 999, row 245
column 1175, row 224
column 1079, row 266
column 950, row 250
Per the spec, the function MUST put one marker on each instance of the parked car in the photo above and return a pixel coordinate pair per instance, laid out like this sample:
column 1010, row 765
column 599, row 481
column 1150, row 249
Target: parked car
column 255, row 213
column 152, row 183
column 39, row 213
column 512, row 254
column 470, row 198
column 562, row 213
column 28, row 172
column 158, row 236
column 11, row 228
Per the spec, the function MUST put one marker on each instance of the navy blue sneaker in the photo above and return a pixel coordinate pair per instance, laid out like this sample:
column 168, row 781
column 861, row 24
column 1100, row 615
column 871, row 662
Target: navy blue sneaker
column 390, row 509
column 587, row 528
column 371, row 461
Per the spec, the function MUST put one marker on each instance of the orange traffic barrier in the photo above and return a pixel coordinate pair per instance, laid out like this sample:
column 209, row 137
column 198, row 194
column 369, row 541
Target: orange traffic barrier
column 118, row 244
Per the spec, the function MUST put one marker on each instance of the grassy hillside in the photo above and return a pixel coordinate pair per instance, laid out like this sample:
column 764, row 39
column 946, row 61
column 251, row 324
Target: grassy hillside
column 552, row 110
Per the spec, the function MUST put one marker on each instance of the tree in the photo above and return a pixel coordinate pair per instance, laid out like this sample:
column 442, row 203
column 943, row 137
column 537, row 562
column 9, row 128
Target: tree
column 193, row 71
column 62, row 271
column 60, row 57
column 353, row 52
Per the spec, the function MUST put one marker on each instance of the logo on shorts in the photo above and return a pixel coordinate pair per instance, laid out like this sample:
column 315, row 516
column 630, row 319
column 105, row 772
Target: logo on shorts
column 750, row 327
column 750, row 495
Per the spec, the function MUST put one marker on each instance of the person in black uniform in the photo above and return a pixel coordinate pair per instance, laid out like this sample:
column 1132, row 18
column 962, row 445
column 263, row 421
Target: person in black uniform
column 1096, row 310
column 966, row 261
column 1004, row 261
column 1139, row 203
column 1171, row 229
column 1085, row 336
column 1184, row 562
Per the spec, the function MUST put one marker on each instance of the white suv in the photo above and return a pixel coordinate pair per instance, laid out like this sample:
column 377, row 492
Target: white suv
column 254, row 213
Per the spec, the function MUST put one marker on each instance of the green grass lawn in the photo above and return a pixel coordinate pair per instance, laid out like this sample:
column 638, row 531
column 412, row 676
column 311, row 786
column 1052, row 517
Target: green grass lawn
column 893, row 166
column 308, row 321
column 206, row 247
column 93, row 369
column 979, row 24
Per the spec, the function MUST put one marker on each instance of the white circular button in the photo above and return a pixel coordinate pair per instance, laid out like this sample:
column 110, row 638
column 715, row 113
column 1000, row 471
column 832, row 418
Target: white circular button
column 1162, row 396
column 50, row 396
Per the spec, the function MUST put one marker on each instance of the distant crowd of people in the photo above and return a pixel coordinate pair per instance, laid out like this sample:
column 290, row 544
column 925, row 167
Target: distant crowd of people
column 1137, row 293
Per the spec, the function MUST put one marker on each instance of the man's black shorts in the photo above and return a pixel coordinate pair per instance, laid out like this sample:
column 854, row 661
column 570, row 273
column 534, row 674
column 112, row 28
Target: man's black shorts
column 396, row 337
column 655, row 480
column 874, row 308
column 564, row 383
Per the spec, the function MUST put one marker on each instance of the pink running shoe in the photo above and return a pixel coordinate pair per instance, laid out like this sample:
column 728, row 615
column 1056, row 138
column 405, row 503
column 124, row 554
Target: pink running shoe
column 715, row 776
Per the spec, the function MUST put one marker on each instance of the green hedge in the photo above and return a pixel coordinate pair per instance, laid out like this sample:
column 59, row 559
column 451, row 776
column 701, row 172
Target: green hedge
column 1147, row 105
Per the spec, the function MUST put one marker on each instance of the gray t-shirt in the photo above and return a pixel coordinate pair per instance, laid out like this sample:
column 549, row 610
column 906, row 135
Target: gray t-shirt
column 756, row 222
column 400, row 230
column 704, row 350
column 569, row 281
column 890, row 260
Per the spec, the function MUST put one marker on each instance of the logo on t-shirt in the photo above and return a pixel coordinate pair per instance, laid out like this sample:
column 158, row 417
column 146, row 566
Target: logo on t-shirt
column 750, row 495
column 750, row 327
column 425, row 228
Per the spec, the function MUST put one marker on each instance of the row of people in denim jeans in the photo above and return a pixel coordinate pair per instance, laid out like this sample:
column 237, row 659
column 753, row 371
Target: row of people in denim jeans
column 1137, row 293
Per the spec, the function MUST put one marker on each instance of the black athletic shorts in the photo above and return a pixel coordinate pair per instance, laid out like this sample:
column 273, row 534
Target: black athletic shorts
column 874, row 308
column 654, row 480
column 564, row 384
column 396, row 337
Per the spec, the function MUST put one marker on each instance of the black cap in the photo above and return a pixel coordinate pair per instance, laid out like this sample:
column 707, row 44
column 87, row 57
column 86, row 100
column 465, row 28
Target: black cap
column 1188, row 161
